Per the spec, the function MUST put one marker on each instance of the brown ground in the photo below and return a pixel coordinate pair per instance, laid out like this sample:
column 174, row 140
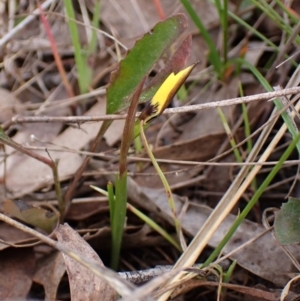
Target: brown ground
column 31, row 85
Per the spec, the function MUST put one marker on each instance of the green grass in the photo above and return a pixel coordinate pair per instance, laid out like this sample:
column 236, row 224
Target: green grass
column 128, row 77
column 81, row 53
column 252, row 202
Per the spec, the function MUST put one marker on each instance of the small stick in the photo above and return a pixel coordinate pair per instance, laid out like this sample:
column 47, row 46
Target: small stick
column 183, row 109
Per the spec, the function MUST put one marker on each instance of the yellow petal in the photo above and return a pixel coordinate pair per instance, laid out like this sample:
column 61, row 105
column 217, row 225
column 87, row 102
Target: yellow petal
column 165, row 94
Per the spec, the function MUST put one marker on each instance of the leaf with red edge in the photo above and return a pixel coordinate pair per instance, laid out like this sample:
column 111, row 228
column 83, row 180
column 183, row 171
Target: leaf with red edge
column 140, row 60
column 176, row 63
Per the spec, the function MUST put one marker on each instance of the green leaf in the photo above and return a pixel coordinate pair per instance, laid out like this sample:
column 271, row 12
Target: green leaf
column 119, row 215
column 111, row 199
column 287, row 223
column 140, row 60
column 83, row 70
column 213, row 55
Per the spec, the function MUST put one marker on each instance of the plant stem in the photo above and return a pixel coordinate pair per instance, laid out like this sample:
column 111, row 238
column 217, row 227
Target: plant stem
column 164, row 181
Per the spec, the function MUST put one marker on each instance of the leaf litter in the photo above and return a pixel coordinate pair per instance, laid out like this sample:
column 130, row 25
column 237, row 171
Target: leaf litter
column 197, row 137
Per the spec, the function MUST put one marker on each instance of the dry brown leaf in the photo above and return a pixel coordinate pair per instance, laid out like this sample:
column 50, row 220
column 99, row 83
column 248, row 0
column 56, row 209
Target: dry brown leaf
column 201, row 148
column 12, row 235
column 134, row 18
column 263, row 257
column 42, row 131
column 254, row 52
column 37, row 217
column 250, row 293
column 9, row 105
column 17, row 269
column 82, row 211
column 25, row 174
column 49, row 273
column 35, row 37
column 84, row 284
column 208, row 122
column 114, row 132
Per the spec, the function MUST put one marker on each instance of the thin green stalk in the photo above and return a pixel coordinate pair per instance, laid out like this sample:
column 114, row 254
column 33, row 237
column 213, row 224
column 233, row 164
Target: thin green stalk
column 225, row 30
column 285, row 116
column 164, row 181
column 229, row 272
column 119, row 212
column 95, row 24
column 213, row 56
column 223, row 15
column 151, row 223
column 227, row 275
column 111, row 198
column 252, row 202
column 287, row 11
column 247, row 132
column 154, row 226
column 80, row 58
column 253, row 30
column 117, row 209
column 246, row 122
column 275, row 17
column 119, row 215
column 138, row 145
